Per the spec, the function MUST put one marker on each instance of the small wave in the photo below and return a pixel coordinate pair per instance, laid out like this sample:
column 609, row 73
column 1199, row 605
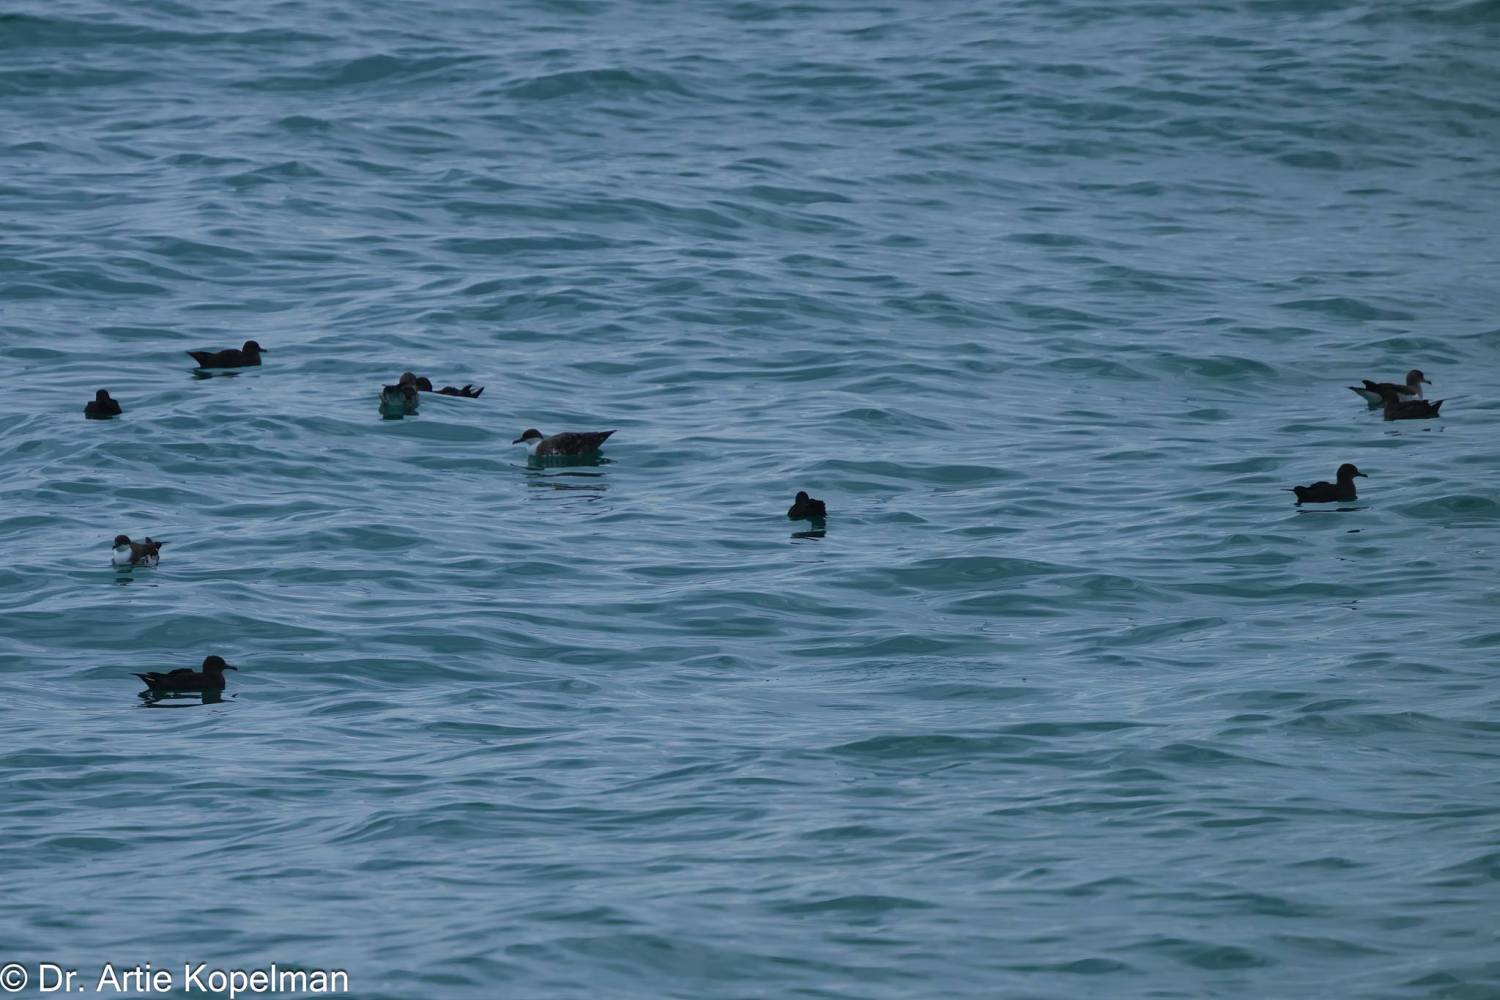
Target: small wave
column 1456, row 511
column 380, row 68
column 44, row 80
column 1346, row 308
column 616, row 83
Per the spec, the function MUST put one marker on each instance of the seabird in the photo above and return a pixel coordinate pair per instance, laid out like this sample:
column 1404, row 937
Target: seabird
column 128, row 553
column 805, row 508
column 229, row 357
column 566, row 443
column 468, row 391
column 101, row 407
column 1397, row 408
column 400, row 398
column 1372, row 392
column 1324, row 492
column 185, row 679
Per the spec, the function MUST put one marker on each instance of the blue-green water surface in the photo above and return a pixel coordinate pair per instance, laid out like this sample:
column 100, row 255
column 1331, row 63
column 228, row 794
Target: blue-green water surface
column 1050, row 302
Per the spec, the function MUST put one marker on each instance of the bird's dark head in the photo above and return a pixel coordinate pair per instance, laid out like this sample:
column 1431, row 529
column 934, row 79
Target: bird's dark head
column 251, row 347
column 407, row 378
column 1415, row 377
column 121, row 540
column 1347, row 472
column 528, row 435
column 216, row 665
column 102, row 396
column 801, row 496
column 423, row 383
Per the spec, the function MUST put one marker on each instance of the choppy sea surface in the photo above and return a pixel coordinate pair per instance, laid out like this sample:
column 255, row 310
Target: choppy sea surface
column 1049, row 301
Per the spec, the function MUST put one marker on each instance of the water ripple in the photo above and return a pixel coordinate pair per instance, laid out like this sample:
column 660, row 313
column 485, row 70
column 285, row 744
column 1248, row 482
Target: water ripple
column 1050, row 301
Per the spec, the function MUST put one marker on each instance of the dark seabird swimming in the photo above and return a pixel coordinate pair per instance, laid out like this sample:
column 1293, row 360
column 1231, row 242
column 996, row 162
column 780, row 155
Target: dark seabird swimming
column 805, row 507
column 566, row 443
column 1324, row 492
column 184, row 679
column 1397, row 408
column 468, row 391
column 101, row 407
column 1372, row 392
column 229, row 358
column 401, row 398
column 128, row 553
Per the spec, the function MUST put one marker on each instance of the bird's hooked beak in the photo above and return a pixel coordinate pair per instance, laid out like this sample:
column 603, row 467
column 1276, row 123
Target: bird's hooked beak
column 519, row 441
column 1362, row 475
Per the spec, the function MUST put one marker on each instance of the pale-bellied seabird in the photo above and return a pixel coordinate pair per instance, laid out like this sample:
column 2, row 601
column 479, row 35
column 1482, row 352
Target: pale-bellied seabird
column 401, row 398
column 128, row 553
column 565, row 443
column 1371, row 391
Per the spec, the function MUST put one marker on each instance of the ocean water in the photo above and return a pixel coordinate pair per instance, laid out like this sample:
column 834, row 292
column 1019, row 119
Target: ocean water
column 1049, row 301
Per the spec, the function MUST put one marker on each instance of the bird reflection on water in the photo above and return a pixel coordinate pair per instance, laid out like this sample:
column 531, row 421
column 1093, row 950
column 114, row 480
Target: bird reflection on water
column 175, row 699
column 565, row 474
column 567, row 461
